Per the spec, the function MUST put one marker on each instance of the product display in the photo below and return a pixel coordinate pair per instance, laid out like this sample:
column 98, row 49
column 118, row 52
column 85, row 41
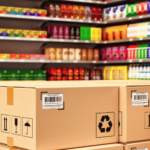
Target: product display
column 115, row 33
column 58, row 74
column 14, row 75
column 23, row 11
column 23, row 33
column 68, row 11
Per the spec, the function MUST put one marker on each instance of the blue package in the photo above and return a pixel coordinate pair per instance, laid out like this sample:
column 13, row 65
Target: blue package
column 148, row 51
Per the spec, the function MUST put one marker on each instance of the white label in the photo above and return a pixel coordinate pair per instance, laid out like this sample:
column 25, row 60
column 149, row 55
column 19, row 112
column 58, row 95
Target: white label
column 52, row 101
column 139, row 98
column 141, row 149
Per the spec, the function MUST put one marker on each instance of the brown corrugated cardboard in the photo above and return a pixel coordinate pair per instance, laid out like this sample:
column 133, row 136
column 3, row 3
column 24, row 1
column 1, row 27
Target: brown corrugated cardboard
column 137, row 146
column 102, row 147
column 89, row 116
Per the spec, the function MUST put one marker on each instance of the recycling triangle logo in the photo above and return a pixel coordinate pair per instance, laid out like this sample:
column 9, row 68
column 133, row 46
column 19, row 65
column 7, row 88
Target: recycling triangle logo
column 108, row 128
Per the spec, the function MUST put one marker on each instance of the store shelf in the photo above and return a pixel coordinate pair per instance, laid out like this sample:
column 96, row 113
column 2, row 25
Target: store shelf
column 130, row 19
column 47, row 19
column 74, row 61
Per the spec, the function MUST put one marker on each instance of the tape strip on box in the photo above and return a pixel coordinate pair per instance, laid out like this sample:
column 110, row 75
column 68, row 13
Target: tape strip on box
column 10, row 93
column 10, row 141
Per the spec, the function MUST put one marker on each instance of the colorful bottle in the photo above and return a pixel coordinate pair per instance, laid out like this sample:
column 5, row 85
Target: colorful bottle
column 137, row 72
column 144, row 72
column 133, row 72
column 140, row 72
column 130, row 72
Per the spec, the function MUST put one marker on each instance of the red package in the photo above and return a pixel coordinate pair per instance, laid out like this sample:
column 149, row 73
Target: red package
column 76, row 78
column 139, row 8
column 70, row 78
column 24, row 56
column 99, row 14
column 94, row 13
column 132, row 52
column 65, row 71
column 51, row 71
column 59, row 78
column 51, row 78
column 63, row 11
column 144, row 7
column 14, row 56
column 76, row 71
column 59, row 71
column 70, row 71
column 70, row 11
column 64, row 78
column 81, row 78
column 81, row 71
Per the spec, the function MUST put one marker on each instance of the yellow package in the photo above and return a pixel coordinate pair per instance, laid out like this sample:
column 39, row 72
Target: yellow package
column 99, row 34
column 93, row 34
column 27, row 33
column 107, row 73
column 35, row 34
column 119, row 73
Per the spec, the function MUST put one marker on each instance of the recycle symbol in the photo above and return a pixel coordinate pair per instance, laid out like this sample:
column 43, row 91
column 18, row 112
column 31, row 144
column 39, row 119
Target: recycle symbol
column 102, row 130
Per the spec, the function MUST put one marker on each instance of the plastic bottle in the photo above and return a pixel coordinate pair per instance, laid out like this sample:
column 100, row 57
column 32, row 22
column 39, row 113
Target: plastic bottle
column 133, row 72
column 140, row 72
column 137, row 72
column 147, row 72
column 144, row 72
column 130, row 72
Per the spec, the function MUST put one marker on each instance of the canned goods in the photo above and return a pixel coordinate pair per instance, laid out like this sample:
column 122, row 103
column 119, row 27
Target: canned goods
column 51, row 71
column 65, row 71
column 64, row 78
column 76, row 71
column 78, row 54
column 84, row 54
column 58, row 53
column 76, row 77
column 51, row 52
column 70, row 78
column 96, row 54
column 65, row 54
column 51, row 78
column 70, row 71
column 71, row 53
column 59, row 72
column 59, row 78
column 86, row 72
column 81, row 78
column 90, row 54
column 81, row 71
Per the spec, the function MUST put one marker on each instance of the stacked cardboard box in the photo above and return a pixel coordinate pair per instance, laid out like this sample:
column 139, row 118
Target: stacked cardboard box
column 27, row 120
column 86, row 115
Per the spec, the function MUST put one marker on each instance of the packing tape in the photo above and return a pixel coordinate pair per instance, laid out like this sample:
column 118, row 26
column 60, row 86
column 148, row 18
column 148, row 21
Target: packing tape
column 10, row 141
column 12, row 149
column 10, row 93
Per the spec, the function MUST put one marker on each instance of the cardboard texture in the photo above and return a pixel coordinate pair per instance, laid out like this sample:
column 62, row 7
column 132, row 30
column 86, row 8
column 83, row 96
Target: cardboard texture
column 137, row 146
column 102, row 147
column 10, row 141
column 10, row 95
column 5, row 147
column 87, row 110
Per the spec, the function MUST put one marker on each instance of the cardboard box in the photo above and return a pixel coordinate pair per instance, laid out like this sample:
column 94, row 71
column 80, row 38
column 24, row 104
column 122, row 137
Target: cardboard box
column 80, row 115
column 5, row 147
column 134, row 113
column 102, row 147
column 137, row 146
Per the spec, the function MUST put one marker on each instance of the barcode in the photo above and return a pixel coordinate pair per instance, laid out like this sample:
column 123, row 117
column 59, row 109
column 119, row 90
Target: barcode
column 140, row 97
column 53, row 99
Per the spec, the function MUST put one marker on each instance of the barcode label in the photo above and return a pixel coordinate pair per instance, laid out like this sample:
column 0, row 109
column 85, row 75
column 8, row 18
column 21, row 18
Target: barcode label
column 52, row 101
column 139, row 98
column 141, row 149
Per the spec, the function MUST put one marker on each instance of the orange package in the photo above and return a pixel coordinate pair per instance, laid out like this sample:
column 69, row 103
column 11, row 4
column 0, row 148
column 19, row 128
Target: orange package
column 123, row 32
column 115, row 33
column 104, row 34
column 82, row 12
column 75, row 12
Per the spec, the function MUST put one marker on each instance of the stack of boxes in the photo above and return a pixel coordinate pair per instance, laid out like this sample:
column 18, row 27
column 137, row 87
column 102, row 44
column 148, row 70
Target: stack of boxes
column 36, row 117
